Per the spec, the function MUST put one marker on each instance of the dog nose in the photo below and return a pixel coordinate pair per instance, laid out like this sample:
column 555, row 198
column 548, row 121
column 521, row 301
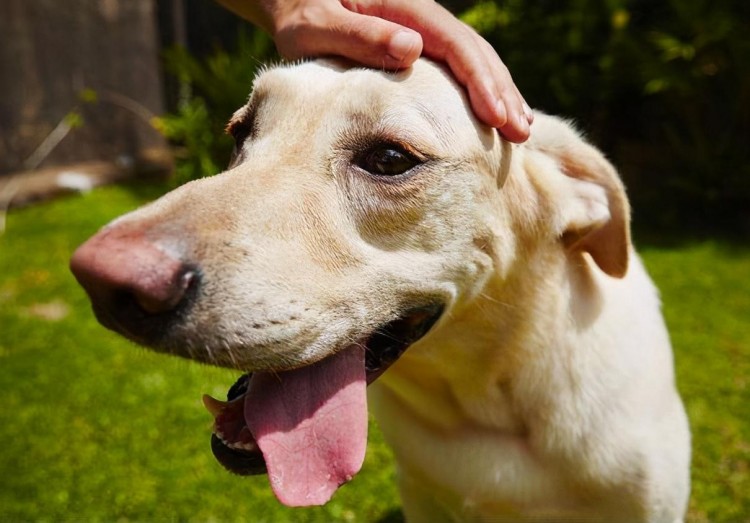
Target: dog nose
column 129, row 278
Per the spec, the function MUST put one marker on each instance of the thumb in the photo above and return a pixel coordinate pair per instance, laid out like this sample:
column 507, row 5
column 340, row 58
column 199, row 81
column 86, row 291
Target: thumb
column 366, row 39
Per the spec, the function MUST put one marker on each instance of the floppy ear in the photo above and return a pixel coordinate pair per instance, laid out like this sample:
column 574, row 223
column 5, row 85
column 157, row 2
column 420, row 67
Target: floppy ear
column 595, row 216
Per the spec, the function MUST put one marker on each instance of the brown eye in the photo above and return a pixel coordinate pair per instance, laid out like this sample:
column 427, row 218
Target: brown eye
column 387, row 160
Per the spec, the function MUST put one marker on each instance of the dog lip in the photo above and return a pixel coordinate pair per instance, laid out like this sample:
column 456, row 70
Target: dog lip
column 243, row 458
column 383, row 347
column 386, row 344
column 237, row 460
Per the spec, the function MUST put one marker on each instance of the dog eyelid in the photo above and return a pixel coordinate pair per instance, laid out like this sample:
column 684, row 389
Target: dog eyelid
column 242, row 130
column 243, row 123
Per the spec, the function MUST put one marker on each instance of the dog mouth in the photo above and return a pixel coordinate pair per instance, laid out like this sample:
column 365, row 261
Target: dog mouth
column 307, row 428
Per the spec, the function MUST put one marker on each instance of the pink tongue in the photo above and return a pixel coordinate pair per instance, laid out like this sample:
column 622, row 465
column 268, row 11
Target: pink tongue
column 311, row 425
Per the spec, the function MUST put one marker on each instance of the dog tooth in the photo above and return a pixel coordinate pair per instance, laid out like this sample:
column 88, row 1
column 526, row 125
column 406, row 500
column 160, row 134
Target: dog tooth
column 245, row 446
column 214, row 406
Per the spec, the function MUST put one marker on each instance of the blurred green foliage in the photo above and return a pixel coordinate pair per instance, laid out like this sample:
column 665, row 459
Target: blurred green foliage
column 210, row 90
column 663, row 86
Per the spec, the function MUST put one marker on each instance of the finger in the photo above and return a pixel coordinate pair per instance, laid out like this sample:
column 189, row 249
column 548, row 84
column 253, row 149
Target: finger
column 520, row 115
column 505, row 95
column 492, row 92
column 365, row 39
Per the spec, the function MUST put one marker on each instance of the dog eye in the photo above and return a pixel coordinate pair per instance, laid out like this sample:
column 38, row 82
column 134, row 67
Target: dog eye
column 387, row 160
column 240, row 133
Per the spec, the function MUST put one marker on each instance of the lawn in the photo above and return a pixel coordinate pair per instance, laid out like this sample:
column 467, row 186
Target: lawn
column 95, row 429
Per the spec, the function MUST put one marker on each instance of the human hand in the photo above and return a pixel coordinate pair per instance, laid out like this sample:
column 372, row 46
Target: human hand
column 392, row 34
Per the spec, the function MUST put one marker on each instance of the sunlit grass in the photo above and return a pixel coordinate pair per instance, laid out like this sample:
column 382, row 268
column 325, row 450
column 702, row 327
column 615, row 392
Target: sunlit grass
column 706, row 293
column 95, row 429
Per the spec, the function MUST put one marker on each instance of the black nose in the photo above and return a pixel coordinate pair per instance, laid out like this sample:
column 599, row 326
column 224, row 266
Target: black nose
column 136, row 287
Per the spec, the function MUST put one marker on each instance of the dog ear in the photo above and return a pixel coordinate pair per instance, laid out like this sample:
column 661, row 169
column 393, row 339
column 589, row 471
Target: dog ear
column 595, row 215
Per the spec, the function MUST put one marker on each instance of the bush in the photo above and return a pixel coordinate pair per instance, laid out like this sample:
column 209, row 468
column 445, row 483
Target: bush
column 663, row 87
column 211, row 89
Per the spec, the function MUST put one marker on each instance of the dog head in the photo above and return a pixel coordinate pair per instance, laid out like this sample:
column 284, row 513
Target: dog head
column 359, row 206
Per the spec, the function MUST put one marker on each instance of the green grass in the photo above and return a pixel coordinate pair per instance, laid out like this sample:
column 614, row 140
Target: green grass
column 706, row 295
column 95, row 429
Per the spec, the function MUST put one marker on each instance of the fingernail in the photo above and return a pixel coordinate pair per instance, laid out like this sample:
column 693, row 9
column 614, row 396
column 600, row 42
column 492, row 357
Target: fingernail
column 501, row 113
column 528, row 112
column 403, row 44
column 522, row 122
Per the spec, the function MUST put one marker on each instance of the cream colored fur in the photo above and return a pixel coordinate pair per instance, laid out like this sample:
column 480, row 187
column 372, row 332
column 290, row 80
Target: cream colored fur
column 546, row 391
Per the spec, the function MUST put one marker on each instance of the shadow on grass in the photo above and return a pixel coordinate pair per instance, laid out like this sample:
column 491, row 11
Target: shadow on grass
column 670, row 238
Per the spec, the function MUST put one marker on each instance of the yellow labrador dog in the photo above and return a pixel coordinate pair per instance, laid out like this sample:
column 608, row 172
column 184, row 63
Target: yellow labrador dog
column 366, row 213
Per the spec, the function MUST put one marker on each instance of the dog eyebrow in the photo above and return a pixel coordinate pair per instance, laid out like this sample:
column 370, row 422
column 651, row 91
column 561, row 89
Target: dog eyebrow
column 427, row 114
column 388, row 125
column 441, row 126
column 381, row 123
